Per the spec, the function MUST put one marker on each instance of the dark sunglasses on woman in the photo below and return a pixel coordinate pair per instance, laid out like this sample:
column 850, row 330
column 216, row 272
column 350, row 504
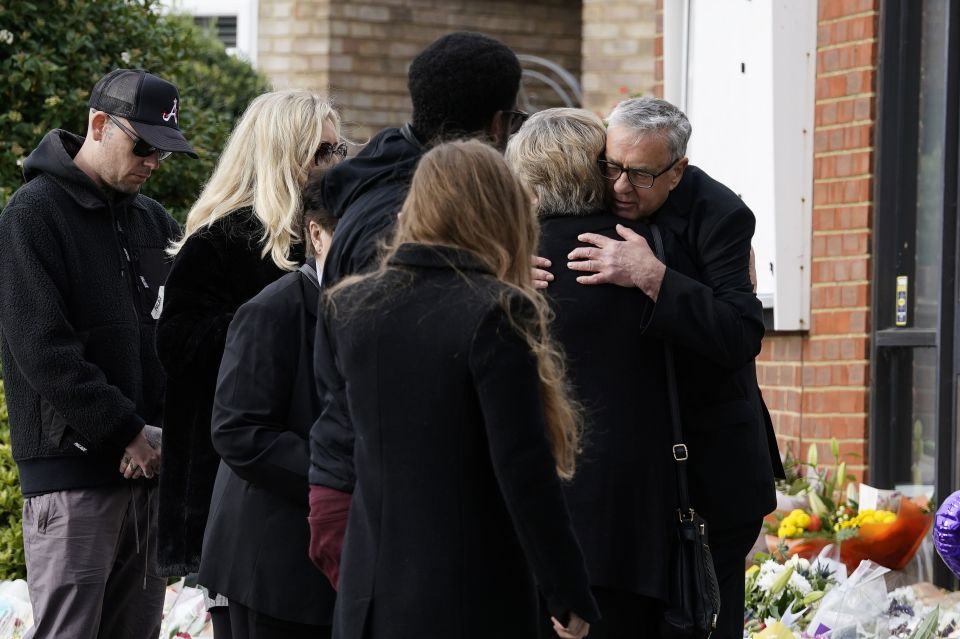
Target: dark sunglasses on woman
column 327, row 150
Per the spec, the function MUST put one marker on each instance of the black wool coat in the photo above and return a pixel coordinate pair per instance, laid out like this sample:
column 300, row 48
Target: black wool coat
column 457, row 509
column 256, row 541
column 218, row 269
column 623, row 498
column 707, row 310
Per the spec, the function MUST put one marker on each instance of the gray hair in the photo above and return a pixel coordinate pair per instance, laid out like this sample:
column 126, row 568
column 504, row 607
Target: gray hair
column 555, row 155
column 645, row 114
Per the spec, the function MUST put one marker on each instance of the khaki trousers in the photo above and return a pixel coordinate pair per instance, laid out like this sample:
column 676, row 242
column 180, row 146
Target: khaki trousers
column 91, row 563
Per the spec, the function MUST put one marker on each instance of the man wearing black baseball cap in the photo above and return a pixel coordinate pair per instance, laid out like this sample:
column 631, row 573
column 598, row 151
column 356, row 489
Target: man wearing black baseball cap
column 82, row 268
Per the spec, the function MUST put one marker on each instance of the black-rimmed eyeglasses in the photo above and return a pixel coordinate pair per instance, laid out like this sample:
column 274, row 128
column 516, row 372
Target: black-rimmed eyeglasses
column 141, row 148
column 328, row 150
column 636, row 177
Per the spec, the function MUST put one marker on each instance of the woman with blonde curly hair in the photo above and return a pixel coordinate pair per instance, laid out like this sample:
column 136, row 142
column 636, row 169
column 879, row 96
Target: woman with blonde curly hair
column 463, row 426
column 241, row 234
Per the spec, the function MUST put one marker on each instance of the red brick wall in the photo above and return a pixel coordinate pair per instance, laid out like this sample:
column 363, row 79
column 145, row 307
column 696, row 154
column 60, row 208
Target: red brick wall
column 817, row 384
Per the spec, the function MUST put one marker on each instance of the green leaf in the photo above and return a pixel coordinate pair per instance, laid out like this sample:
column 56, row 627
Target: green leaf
column 928, row 627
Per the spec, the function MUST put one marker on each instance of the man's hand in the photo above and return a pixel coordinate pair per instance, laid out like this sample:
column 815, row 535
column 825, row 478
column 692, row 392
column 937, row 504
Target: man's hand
column 576, row 629
column 626, row 263
column 541, row 276
column 140, row 458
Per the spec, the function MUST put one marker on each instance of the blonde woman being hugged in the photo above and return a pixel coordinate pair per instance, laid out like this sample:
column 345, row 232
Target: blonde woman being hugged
column 463, row 427
column 241, row 234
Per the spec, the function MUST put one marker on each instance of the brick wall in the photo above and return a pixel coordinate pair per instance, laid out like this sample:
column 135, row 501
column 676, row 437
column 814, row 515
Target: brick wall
column 658, row 53
column 294, row 43
column 817, row 384
column 619, row 50
column 379, row 38
column 361, row 49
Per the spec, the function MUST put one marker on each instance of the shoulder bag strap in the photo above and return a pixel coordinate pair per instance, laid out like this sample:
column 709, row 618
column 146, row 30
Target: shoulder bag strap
column 679, row 450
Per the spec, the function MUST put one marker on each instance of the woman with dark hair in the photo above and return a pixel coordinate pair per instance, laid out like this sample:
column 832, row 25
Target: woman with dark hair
column 463, row 427
column 623, row 500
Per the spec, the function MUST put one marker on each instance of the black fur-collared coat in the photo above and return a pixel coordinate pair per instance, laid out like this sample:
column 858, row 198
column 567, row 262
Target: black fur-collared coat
column 217, row 270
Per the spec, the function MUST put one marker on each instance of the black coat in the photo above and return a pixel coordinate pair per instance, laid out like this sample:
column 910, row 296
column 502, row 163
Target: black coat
column 255, row 546
column 80, row 272
column 457, row 505
column 623, row 498
column 707, row 309
column 218, row 269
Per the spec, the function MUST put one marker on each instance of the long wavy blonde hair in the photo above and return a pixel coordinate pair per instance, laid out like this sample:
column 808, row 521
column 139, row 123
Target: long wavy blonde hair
column 264, row 166
column 463, row 195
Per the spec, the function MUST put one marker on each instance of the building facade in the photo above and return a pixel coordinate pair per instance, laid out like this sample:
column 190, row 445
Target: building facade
column 835, row 120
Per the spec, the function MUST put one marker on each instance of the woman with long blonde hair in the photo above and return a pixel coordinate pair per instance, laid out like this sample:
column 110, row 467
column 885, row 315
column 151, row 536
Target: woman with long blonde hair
column 463, row 426
column 241, row 234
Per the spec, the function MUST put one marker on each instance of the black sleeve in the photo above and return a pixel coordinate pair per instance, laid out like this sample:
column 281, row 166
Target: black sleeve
column 250, row 427
column 505, row 373
column 718, row 317
column 197, row 310
column 331, row 437
column 38, row 331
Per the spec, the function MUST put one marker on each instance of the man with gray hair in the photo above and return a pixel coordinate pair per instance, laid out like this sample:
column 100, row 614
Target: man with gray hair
column 705, row 308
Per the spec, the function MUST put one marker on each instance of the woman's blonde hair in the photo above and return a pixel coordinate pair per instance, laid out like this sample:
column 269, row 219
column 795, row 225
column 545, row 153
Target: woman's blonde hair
column 463, row 195
column 264, row 166
column 555, row 154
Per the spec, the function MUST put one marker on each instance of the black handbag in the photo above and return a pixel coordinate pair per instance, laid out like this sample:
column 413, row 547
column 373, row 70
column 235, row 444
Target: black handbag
column 694, row 592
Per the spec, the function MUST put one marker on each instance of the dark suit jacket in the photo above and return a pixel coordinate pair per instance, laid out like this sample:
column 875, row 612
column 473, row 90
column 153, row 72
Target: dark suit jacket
column 457, row 506
column 255, row 546
column 707, row 309
column 623, row 498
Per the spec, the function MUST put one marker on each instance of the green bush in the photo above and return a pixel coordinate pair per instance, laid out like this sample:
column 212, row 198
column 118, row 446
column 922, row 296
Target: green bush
column 52, row 52
column 12, row 564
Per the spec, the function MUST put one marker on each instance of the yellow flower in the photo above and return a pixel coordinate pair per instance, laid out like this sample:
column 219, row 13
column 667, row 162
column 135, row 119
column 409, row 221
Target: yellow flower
column 776, row 630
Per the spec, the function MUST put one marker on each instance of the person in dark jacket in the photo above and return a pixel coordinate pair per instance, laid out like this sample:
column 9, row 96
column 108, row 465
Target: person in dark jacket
column 704, row 305
column 256, row 540
column 462, row 421
column 242, row 234
column 82, row 267
column 623, row 498
column 464, row 85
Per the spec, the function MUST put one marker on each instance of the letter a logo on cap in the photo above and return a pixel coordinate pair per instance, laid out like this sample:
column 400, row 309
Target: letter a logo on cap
column 172, row 114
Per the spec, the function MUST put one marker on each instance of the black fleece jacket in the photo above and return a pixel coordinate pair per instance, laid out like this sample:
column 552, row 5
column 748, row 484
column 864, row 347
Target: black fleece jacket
column 81, row 272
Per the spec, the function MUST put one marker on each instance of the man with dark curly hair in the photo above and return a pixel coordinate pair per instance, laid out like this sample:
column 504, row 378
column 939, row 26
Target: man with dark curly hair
column 463, row 85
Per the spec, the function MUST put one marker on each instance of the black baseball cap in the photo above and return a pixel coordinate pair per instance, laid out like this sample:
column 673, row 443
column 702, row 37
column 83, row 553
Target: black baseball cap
column 149, row 103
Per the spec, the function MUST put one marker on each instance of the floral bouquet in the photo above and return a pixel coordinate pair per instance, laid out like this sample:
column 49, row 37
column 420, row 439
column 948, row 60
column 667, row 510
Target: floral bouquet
column 785, row 594
column 889, row 532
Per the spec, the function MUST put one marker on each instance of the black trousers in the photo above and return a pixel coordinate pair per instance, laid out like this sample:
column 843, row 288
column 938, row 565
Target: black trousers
column 624, row 615
column 729, row 548
column 250, row 624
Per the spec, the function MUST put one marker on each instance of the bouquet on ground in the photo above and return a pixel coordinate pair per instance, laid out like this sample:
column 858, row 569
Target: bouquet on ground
column 785, row 594
column 828, row 507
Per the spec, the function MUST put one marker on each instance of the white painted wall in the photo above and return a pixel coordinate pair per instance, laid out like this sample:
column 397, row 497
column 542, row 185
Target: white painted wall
column 245, row 10
column 745, row 77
